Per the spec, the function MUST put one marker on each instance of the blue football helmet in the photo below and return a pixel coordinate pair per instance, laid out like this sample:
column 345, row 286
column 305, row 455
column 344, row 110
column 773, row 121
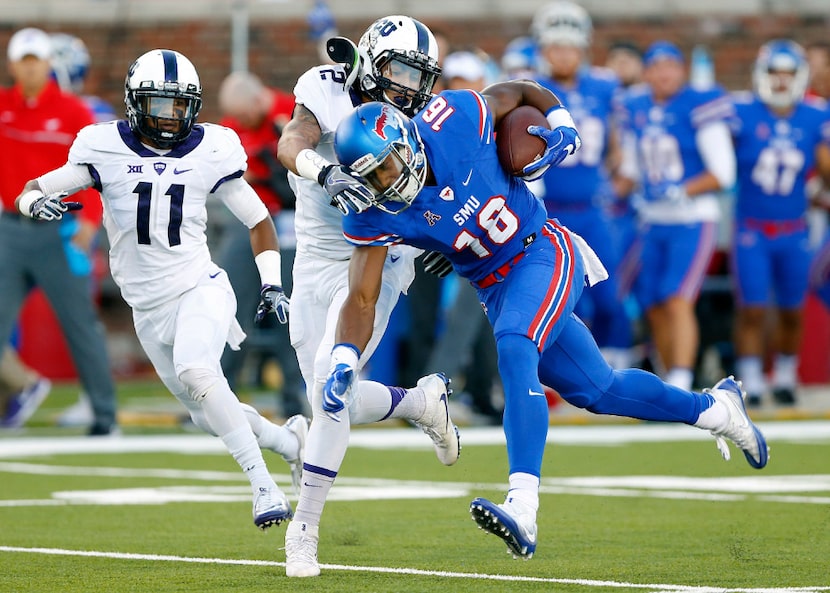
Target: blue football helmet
column 383, row 146
column 162, row 86
column 776, row 57
column 70, row 61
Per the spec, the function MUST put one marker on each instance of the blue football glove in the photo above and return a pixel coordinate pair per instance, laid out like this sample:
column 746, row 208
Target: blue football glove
column 272, row 298
column 347, row 189
column 561, row 142
column 338, row 390
column 668, row 191
column 52, row 207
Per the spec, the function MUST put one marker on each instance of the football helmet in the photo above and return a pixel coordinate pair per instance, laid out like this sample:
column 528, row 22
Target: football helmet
column 383, row 146
column 562, row 23
column 70, row 61
column 780, row 56
column 398, row 63
column 163, row 96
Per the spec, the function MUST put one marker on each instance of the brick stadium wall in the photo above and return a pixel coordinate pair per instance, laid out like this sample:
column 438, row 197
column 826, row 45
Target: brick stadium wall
column 280, row 52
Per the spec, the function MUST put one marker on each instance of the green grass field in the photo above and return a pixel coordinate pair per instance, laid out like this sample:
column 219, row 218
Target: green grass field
column 114, row 515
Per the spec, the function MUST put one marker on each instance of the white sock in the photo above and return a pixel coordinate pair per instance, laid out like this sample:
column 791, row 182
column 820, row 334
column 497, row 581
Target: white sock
column 750, row 371
column 524, row 488
column 715, row 417
column 313, row 494
column 376, row 400
column 243, row 447
column 680, row 377
column 785, row 371
column 271, row 436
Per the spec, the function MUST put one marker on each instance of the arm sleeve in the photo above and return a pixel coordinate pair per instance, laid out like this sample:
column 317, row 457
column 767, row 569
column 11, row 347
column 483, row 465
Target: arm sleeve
column 242, row 201
column 714, row 141
column 69, row 178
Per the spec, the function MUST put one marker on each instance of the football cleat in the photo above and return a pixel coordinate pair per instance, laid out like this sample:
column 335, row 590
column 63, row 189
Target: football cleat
column 271, row 507
column 298, row 425
column 739, row 429
column 25, row 403
column 301, row 550
column 514, row 522
column 436, row 421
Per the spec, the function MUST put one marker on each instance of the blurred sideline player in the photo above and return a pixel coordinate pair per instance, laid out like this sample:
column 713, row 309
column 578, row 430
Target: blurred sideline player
column 779, row 137
column 38, row 125
column 70, row 66
column 683, row 156
column 575, row 192
column 528, row 271
column 155, row 172
column 396, row 60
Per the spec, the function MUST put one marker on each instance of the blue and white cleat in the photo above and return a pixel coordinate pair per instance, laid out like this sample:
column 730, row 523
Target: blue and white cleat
column 24, row 404
column 513, row 521
column 436, row 421
column 271, row 508
column 739, row 429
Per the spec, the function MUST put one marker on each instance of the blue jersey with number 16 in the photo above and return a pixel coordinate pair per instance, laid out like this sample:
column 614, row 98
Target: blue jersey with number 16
column 476, row 214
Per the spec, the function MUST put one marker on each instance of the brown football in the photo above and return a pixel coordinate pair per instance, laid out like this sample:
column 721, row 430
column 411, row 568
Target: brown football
column 515, row 147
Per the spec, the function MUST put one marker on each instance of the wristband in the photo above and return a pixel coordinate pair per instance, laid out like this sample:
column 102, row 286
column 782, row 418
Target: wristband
column 559, row 116
column 309, row 164
column 270, row 267
column 24, row 202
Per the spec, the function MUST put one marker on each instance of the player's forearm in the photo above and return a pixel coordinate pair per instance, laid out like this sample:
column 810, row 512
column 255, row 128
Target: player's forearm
column 357, row 319
column 506, row 96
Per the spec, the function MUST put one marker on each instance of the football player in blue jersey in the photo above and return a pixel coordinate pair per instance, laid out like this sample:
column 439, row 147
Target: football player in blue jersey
column 779, row 137
column 436, row 183
column 683, row 158
column 576, row 191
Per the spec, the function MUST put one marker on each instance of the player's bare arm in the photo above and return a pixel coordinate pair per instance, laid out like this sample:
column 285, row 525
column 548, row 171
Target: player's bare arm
column 357, row 317
column 503, row 97
column 264, row 236
column 301, row 133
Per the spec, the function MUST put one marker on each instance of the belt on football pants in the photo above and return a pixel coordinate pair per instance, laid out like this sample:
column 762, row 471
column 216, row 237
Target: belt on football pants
column 501, row 273
column 774, row 228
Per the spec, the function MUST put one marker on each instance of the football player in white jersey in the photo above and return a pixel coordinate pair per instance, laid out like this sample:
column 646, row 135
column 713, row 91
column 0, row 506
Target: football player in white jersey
column 155, row 171
column 396, row 61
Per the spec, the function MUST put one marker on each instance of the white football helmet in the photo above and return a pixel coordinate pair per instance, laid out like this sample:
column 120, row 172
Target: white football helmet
column 163, row 96
column 562, row 23
column 774, row 58
column 398, row 63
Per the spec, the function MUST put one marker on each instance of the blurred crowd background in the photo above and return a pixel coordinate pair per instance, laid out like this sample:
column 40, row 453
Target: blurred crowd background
column 486, row 41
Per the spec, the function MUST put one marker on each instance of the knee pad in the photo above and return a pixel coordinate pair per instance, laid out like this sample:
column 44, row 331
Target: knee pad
column 198, row 382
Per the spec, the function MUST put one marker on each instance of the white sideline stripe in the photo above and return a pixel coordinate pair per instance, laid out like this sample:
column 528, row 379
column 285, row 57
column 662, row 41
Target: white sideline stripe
column 409, row 438
column 412, row 571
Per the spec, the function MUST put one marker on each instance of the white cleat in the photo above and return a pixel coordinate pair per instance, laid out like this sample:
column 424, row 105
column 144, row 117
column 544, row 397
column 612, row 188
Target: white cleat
column 436, row 421
column 740, row 429
column 514, row 522
column 298, row 425
column 301, row 550
column 271, row 507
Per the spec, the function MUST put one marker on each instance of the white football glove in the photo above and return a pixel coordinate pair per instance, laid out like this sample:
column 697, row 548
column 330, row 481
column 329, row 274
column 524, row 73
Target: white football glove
column 51, row 207
column 338, row 392
column 347, row 189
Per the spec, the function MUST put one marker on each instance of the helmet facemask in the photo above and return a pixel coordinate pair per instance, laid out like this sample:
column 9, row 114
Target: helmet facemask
column 399, row 63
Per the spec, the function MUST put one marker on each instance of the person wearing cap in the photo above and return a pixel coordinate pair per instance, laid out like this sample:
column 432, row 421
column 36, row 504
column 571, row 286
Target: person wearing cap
column 38, row 123
column 681, row 154
column 578, row 190
column 464, row 70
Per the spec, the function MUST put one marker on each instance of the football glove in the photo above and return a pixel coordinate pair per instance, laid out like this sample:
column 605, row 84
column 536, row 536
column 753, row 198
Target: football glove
column 272, row 298
column 668, row 191
column 437, row 264
column 347, row 189
column 52, row 207
column 337, row 392
column 560, row 142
